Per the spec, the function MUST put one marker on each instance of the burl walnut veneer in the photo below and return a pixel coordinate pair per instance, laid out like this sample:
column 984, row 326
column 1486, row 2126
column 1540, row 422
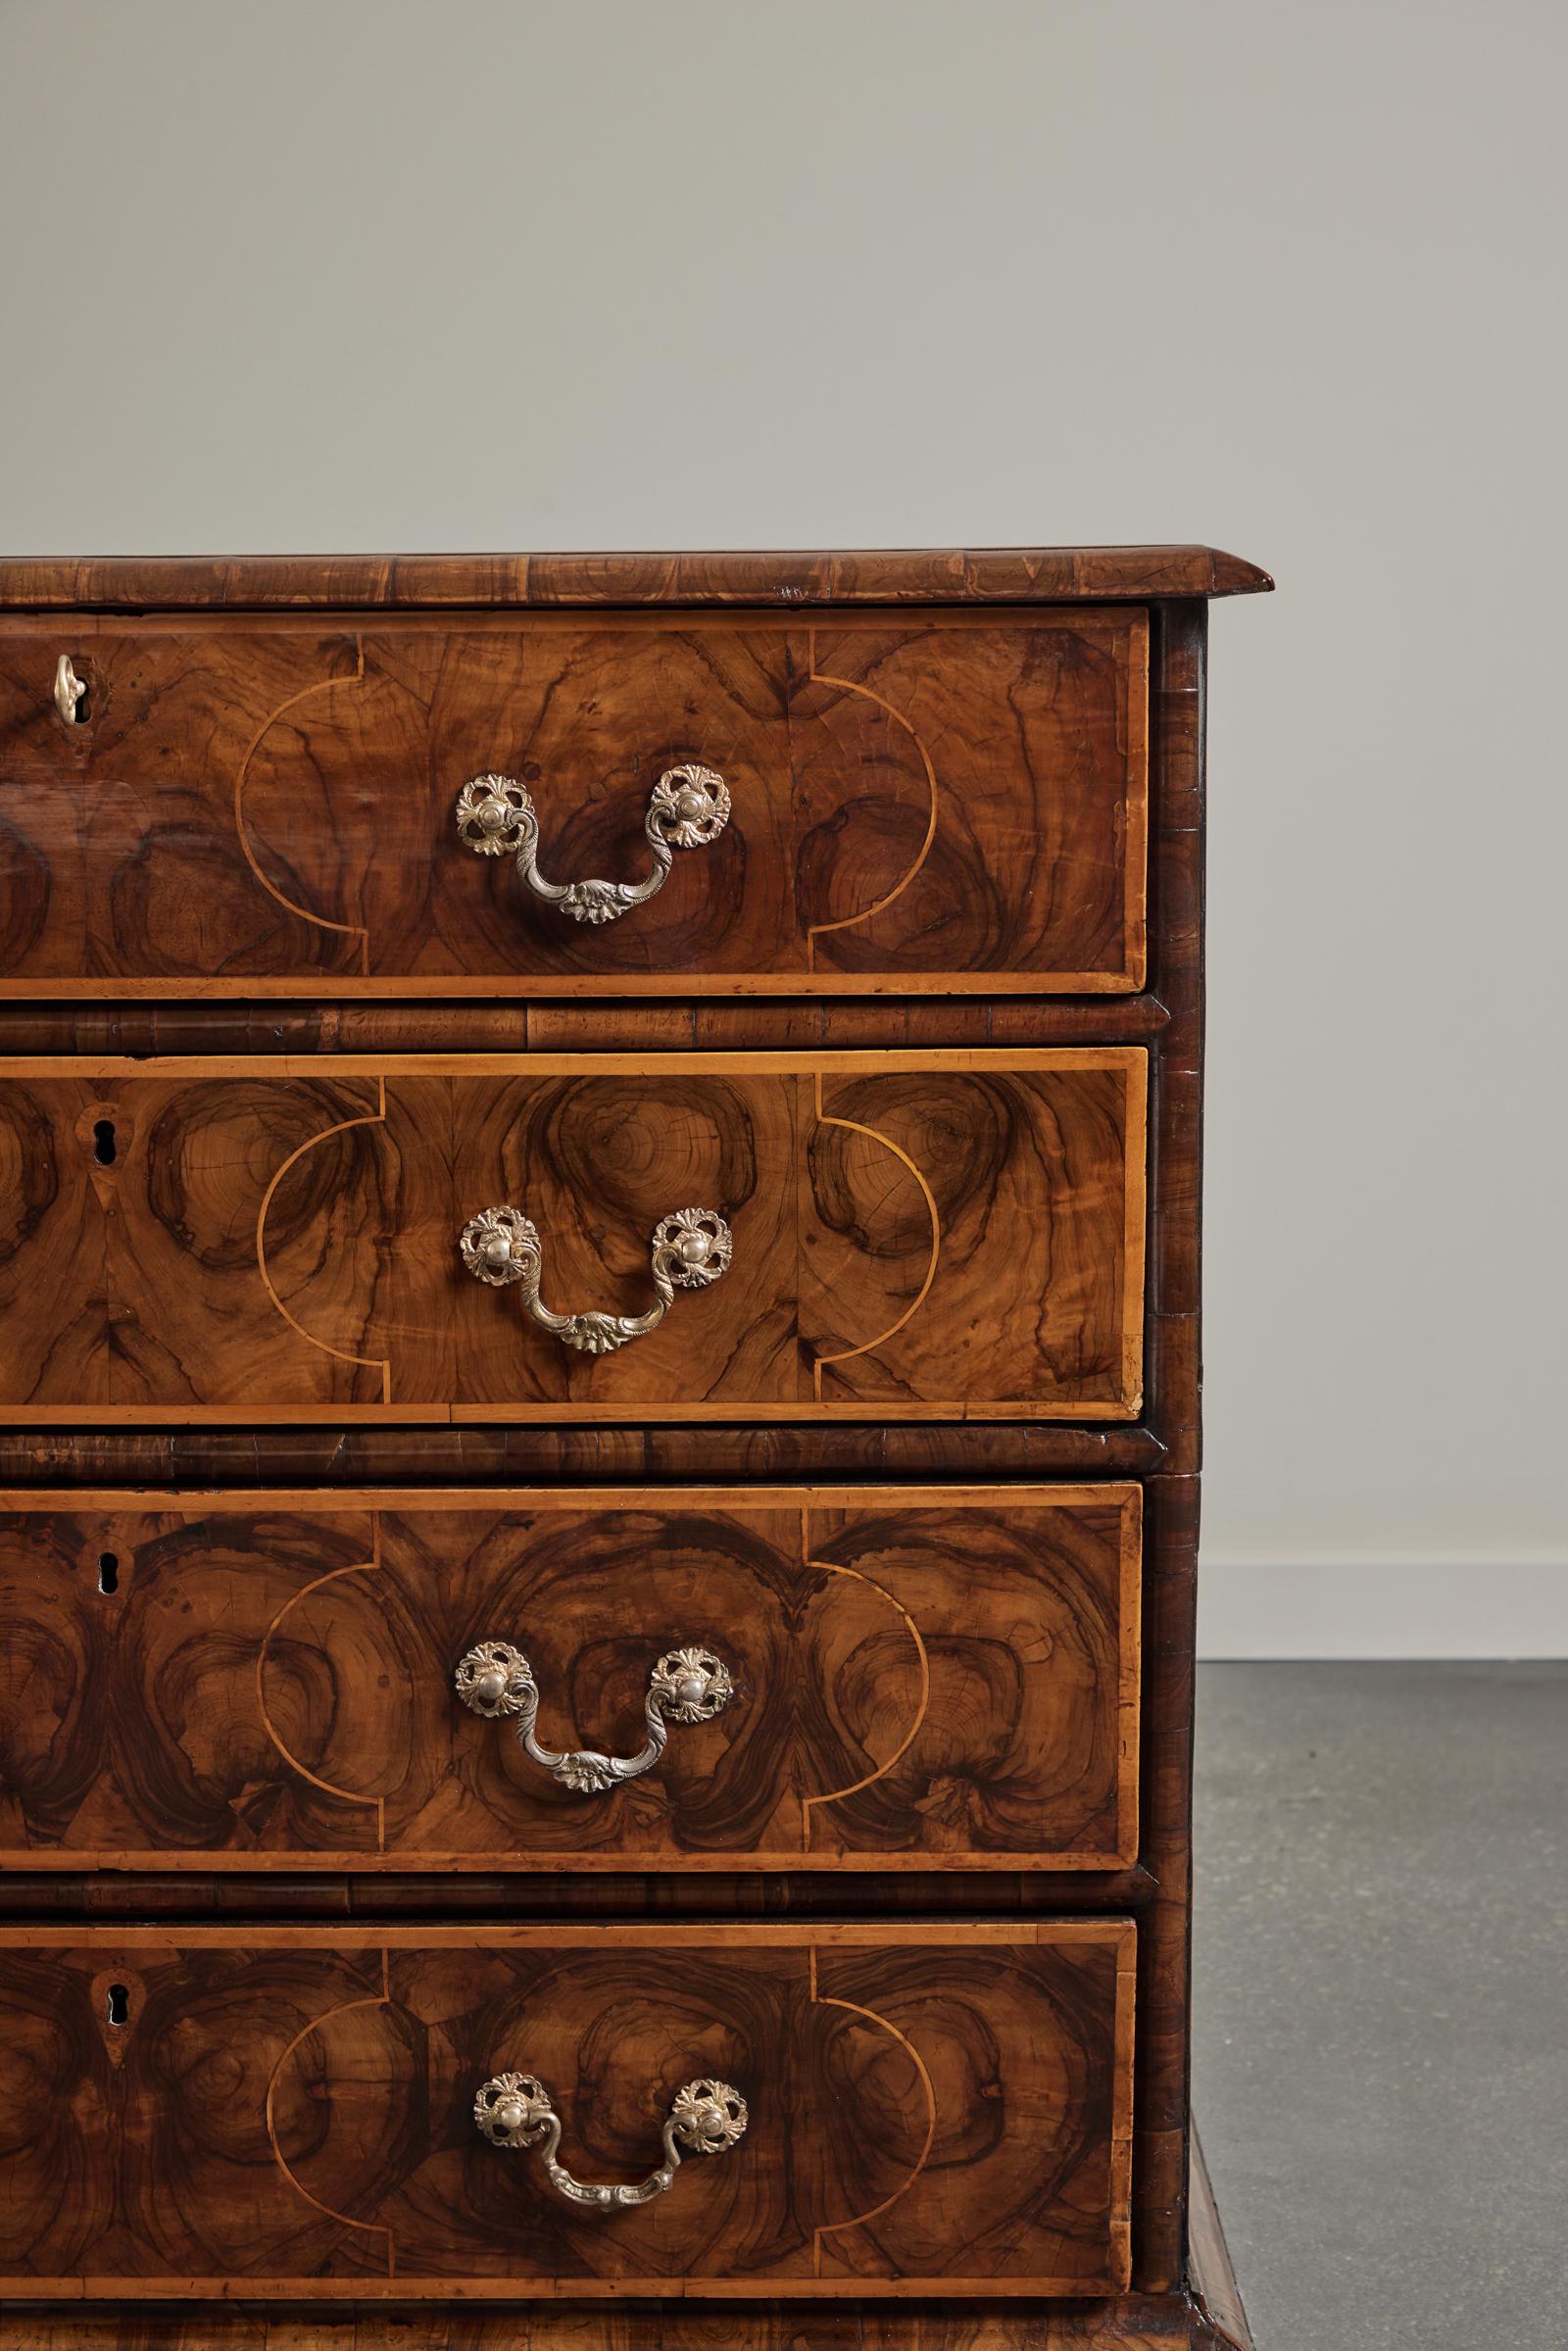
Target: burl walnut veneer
column 926, row 801
column 599, row 1290
column 947, row 1675
column 921, row 1234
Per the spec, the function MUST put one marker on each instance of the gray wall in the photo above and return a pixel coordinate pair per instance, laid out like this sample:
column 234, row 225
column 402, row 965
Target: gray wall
column 337, row 275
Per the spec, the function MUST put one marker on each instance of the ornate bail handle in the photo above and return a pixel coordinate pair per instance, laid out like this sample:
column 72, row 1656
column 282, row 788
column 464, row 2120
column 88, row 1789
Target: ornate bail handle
column 687, row 809
column 689, row 1249
column 514, row 2110
column 686, row 1685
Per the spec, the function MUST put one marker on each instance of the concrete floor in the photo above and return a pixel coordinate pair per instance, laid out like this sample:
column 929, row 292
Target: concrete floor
column 1380, row 2059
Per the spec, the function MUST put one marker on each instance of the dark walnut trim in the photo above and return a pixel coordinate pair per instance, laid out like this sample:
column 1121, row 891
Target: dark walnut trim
column 1129, row 2323
column 535, row 582
column 602, row 1025
column 482, row 1456
column 313, row 1897
column 1176, row 1066
column 1162, row 2120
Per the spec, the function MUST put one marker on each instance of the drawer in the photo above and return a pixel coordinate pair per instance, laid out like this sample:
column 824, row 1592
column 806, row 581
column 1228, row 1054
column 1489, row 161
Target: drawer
column 292, row 2112
column 786, row 1678
column 941, row 800
column 561, row 1238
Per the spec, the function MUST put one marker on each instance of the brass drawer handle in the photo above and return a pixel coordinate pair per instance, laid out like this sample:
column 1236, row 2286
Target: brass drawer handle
column 514, row 2110
column 687, row 809
column 685, row 1685
column 688, row 1250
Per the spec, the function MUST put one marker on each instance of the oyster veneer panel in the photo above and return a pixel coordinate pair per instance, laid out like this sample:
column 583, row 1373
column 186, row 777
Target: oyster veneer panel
column 914, row 1236
column 289, row 2112
column 951, row 801
column 922, row 1678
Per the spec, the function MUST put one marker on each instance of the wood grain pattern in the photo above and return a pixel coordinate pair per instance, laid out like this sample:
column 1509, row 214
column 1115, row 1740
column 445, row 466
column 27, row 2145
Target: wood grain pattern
column 926, row 1678
column 893, row 575
column 267, row 808
column 288, row 2112
column 916, row 1236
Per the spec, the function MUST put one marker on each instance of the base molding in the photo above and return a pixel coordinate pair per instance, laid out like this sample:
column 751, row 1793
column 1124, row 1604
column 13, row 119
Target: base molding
column 1211, row 2278
column 1130, row 2323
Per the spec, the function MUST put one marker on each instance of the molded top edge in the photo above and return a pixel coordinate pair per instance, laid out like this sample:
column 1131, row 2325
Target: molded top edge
column 900, row 577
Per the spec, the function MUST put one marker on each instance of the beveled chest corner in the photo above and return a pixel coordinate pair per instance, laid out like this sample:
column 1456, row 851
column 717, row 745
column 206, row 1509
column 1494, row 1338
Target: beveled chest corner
column 598, row 1259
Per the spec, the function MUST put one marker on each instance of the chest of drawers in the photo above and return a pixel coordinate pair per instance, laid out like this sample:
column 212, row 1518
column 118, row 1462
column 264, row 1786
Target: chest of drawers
column 598, row 1259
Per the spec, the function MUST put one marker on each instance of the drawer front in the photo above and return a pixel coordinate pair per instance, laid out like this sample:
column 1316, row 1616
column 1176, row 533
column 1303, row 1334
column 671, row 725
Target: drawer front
column 944, row 800
column 900, row 1235
column 292, row 2112
column 893, row 1677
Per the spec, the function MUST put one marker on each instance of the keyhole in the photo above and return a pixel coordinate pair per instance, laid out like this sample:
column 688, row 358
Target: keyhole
column 118, row 2004
column 103, row 1143
column 109, row 1570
